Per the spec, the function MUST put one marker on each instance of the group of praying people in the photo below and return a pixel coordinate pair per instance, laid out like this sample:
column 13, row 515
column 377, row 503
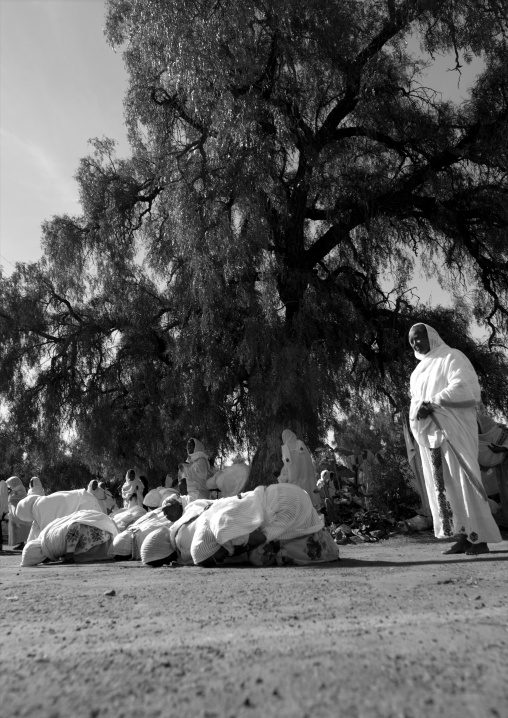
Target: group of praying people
column 183, row 523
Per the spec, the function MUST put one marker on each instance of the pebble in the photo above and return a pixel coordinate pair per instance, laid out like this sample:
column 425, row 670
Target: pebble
column 110, row 593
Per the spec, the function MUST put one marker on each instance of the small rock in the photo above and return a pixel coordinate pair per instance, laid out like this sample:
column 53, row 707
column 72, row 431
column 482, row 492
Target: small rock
column 110, row 593
column 477, row 598
column 12, row 598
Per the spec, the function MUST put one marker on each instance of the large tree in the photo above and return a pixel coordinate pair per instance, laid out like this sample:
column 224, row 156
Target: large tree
column 249, row 267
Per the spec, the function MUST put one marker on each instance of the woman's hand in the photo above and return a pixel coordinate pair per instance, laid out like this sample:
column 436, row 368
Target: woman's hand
column 425, row 410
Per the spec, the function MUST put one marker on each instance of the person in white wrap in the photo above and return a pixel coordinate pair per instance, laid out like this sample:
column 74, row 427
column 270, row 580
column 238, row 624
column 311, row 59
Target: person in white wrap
column 444, row 395
column 196, row 470
column 35, row 487
column 272, row 516
column 493, row 458
column 298, row 468
column 81, row 537
column 127, row 545
column 42, row 510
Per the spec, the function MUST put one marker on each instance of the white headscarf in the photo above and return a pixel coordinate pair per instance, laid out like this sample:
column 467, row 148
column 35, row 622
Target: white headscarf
column 153, row 499
column 24, row 510
column 35, row 487
column 156, row 545
column 435, row 340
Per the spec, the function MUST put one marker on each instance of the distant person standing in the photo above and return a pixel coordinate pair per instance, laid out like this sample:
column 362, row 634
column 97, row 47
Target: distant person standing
column 444, row 395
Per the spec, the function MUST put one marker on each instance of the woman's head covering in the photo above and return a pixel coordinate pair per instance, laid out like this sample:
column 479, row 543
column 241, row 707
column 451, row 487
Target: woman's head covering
column 288, row 435
column 35, row 487
column 204, row 544
column 198, row 448
column 434, row 339
column 156, row 546
column 122, row 544
column 15, row 484
column 32, row 553
column 152, row 499
column 24, row 510
column 173, row 498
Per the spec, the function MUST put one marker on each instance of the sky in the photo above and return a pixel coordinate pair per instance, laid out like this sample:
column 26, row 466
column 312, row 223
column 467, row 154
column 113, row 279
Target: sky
column 60, row 85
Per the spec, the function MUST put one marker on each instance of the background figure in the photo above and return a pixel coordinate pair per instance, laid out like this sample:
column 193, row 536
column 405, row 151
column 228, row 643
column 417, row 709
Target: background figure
column 4, row 509
column 298, row 468
column 35, row 487
column 109, row 501
column 444, row 395
column 132, row 487
column 100, row 494
column 231, row 479
column 18, row 529
column 196, row 470
column 493, row 459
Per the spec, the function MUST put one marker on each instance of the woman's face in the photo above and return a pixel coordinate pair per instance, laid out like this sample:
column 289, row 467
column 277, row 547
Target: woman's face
column 190, row 446
column 419, row 339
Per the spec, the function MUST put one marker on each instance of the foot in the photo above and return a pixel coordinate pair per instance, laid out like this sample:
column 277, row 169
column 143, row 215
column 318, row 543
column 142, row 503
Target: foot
column 19, row 547
column 475, row 549
column 462, row 546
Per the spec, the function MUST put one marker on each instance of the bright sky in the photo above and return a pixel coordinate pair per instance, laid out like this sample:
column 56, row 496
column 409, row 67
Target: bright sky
column 60, row 85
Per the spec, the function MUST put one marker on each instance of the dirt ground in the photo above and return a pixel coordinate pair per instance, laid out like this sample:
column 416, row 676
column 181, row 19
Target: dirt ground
column 394, row 629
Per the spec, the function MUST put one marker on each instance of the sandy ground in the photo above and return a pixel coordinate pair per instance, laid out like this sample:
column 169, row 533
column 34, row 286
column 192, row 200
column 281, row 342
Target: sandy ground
column 394, row 629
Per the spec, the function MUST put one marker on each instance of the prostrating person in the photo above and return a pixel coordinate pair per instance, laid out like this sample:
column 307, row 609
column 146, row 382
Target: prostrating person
column 82, row 537
column 276, row 524
column 444, row 395
column 39, row 511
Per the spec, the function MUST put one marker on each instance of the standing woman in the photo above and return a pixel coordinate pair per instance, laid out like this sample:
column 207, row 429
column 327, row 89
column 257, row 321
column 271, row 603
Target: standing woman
column 196, row 470
column 18, row 529
column 444, row 395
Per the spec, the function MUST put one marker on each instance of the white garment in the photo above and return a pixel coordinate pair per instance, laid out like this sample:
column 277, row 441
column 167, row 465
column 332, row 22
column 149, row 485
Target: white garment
column 298, row 468
column 446, row 378
column 281, row 511
column 230, row 480
column 138, row 531
column 125, row 518
column 181, row 533
column 53, row 538
column 46, row 509
column 130, row 488
column 196, row 472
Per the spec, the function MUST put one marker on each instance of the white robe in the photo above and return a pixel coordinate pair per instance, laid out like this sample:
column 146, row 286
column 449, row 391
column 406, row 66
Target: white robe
column 52, row 541
column 281, row 511
column 46, row 509
column 298, row 468
column 446, row 378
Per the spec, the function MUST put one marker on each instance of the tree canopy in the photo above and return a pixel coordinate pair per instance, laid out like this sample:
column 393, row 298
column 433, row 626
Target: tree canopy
column 250, row 265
